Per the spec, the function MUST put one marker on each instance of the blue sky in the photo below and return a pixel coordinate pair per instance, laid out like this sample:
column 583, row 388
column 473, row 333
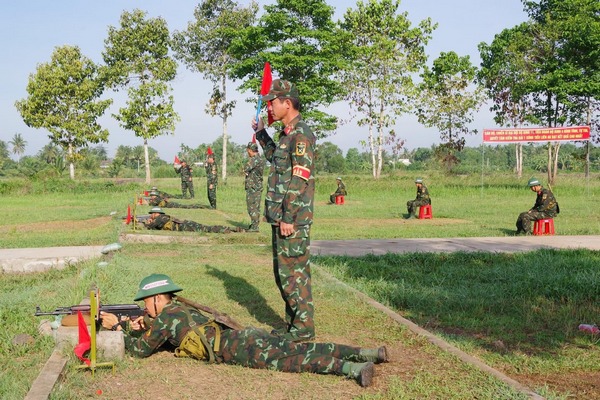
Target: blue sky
column 31, row 29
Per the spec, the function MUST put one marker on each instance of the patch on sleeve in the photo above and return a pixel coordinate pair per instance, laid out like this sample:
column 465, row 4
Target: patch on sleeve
column 301, row 172
column 300, row 148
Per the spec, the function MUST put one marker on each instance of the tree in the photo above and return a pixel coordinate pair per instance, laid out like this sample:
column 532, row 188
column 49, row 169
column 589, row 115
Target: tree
column 205, row 47
column 303, row 45
column 18, row 144
column 329, row 158
column 63, row 98
column 385, row 51
column 448, row 103
column 137, row 58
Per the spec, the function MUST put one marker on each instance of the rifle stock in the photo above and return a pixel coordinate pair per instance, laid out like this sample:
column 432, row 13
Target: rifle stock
column 221, row 318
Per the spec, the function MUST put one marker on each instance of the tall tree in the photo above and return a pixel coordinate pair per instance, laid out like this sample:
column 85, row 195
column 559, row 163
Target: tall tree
column 18, row 144
column 137, row 58
column 449, row 98
column 205, row 47
column 64, row 99
column 303, row 45
column 385, row 52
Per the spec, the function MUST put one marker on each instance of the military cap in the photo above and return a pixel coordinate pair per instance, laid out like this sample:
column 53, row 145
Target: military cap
column 281, row 88
column 156, row 210
column 154, row 188
column 533, row 182
column 339, row 178
column 419, row 180
column 252, row 146
column 154, row 193
column 156, row 284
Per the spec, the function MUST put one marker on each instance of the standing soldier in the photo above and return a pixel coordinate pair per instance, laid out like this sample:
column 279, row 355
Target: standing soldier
column 422, row 199
column 289, row 206
column 211, row 178
column 253, row 170
column 186, row 179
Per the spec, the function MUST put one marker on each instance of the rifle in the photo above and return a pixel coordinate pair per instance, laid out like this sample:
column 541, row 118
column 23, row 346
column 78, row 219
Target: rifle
column 142, row 218
column 132, row 311
column 221, row 318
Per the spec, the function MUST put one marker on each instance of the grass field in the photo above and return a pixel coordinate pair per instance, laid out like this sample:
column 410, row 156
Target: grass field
column 518, row 312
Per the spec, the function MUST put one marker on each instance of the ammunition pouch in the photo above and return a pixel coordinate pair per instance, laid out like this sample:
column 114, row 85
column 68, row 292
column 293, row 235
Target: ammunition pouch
column 196, row 345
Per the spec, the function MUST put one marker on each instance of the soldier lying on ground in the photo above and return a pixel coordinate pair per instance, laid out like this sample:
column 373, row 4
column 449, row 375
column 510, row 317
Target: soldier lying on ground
column 165, row 194
column 158, row 201
column 184, row 328
column 160, row 221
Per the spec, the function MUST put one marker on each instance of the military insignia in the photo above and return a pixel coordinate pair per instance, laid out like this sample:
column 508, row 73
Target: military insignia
column 283, row 146
column 148, row 332
column 300, row 148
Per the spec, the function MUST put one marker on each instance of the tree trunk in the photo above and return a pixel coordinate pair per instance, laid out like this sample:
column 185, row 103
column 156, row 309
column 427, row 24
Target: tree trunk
column 555, row 163
column 372, row 146
column 147, row 161
column 587, row 145
column 71, row 163
column 519, row 159
column 224, row 115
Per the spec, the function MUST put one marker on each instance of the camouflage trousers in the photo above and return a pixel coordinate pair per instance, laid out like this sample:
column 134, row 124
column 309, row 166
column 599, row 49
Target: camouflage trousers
column 253, row 206
column 185, row 186
column 412, row 205
column 256, row 348
column 212, row 197
column 524, row 222
column 192, row 226
column 179, row 205
column 291, row 268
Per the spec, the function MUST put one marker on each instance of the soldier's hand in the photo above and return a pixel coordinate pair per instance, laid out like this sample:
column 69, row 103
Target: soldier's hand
column 257, row 125
column 108, row 320
column 286, row 229
column 138, row 324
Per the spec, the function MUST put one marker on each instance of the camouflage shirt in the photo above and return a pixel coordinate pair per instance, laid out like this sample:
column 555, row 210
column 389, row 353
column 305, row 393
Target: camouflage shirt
column 168, row 328
column 291, row 183
column 545, row 202
column 157, row 201
column 211, row 174
column 423, row 193
column 341, row 189
column 162, row 222
column 254, row 170
column 186, row 173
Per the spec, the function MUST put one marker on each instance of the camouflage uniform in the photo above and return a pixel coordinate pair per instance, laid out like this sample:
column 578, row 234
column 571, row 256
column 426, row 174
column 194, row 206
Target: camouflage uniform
column 290, row 198
column 545, row 207
column 167, row 223
column 212, row 179
column 253, row 170
column 422, row 199
column 250, row 347
column 158, row 201
column 186, row 180
column 340, row 191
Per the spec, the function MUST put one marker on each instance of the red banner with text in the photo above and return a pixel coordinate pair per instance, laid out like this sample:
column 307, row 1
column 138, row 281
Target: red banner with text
column 561, row 134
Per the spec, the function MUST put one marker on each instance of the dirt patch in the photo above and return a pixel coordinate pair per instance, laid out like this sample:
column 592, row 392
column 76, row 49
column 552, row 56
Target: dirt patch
column 51, row 226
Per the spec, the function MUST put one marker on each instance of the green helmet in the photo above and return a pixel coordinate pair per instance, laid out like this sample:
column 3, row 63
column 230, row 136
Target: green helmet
column 154, row 193
column 156, row 284
column 533, row 182
column 156, row 210
column 419, row 180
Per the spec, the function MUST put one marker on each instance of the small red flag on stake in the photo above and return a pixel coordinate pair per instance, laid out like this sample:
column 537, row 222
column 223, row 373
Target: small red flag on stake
column 128, row 220
column 84, row 339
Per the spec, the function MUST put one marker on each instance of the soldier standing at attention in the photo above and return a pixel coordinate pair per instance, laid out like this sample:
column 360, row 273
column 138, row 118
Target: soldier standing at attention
column 422, row 199
column 289, row 204
column 545, row 206
column 186, row 179
column 171, row 324
column 211, row 178
column 253, row 170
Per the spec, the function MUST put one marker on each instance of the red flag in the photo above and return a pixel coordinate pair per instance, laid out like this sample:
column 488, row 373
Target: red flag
column 128, row 220
column 84, row 339
column 209, row 151
column 254, row 138
column 176, row 161
column 267, row 79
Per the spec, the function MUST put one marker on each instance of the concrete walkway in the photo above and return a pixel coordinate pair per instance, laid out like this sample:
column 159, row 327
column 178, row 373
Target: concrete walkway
column 509, row 244
column 44, row 258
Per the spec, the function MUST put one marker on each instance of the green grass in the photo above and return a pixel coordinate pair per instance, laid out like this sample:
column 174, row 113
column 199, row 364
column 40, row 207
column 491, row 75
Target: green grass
column 518, row 312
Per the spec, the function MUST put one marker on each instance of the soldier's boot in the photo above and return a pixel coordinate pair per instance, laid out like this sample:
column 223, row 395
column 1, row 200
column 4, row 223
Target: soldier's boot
column 377, row 356
column 361, row 372
column 412, row 215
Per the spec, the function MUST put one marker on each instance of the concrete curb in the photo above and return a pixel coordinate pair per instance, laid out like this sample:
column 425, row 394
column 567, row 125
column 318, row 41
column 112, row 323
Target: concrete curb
column 44, row 258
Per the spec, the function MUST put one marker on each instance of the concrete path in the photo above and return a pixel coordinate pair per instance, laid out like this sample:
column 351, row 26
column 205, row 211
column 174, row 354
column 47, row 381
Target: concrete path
column 507, row 244
column 44, row 258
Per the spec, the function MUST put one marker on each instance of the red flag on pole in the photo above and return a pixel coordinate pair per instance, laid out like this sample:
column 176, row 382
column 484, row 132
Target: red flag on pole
column 209, row 151
column 84, row 339
column 267, row 79
column 128, row 220
column 176, row 161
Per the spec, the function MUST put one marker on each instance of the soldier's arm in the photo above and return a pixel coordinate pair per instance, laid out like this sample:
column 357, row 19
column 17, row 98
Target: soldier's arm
column 148, row 343
column 302, row 160
column 267, row 144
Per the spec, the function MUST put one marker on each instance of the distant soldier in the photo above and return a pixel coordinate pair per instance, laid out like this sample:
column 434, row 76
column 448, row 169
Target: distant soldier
column 545, row 206
column 186, row 179
column 253, row 170
column 211, row 178
column 340, row 191
column 165, row 194
column 422, row 199
column 192, row 334
column 157, row 201
column 160, row 221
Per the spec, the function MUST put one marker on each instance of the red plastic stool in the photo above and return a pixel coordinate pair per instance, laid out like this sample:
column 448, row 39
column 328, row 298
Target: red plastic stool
column 544, row 227
column 339, row 200
column 425, row 212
